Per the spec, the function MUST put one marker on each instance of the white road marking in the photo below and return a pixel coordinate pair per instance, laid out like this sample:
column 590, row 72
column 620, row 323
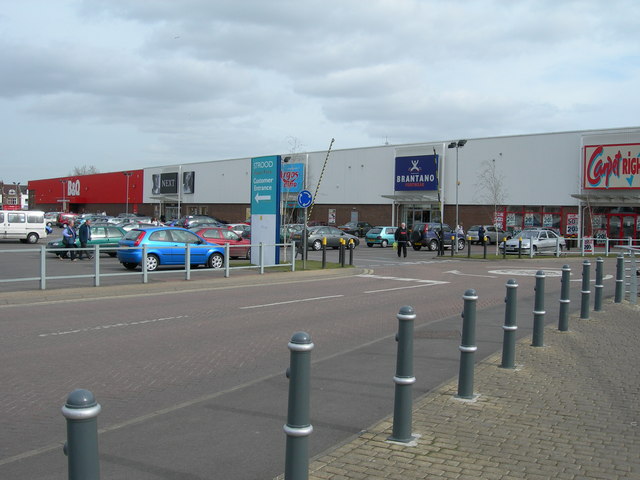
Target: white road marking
column 291, row 301
column 421, row 283
column 115, row 325
column 457, row 272
column 404, row 288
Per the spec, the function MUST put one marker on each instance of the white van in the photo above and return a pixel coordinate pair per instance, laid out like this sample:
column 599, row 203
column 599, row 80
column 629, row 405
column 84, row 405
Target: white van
column 26, row 226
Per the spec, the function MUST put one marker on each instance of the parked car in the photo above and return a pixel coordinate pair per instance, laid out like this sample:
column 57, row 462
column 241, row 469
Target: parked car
column 166, row 246
column 383, row 236
column 494, row 234
column 238, row 246
column 287, row 231
column 358, row 229
column 66, row 217
column 540, row 240
column 51, row 218
column 242, row 229
column 332, row 234
column 189, row 220
column 426, row 234
column 103, row 235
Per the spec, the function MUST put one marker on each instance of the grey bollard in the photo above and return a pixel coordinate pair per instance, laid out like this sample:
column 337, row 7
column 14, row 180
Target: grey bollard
column 599, row 287
column 565, row 300
column 468, row 345
column 538, row 311
column 619, row 279
column 510, row 326
column 404, row 379
column 298, row 426
column 81, row 411
column 586, row 280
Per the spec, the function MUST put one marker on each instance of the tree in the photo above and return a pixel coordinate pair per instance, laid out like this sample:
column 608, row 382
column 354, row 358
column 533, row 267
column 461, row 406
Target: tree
column 491, row 188
column 84, row 170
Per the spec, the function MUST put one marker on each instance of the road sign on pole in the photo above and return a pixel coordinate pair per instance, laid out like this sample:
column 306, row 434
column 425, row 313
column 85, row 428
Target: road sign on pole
column 305, row 198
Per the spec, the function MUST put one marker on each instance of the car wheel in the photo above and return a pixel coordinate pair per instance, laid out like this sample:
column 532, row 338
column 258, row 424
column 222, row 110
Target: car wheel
column 152, row 263
column 130, row 266
column 461, row 244
column 384, row 244
column 535, row 250
column 433, row 245
column 317, row 245
column 216, row 260
column 369, row 244
column 416, row 247
column 32, row 238
column 248, row 255
column 112, row 254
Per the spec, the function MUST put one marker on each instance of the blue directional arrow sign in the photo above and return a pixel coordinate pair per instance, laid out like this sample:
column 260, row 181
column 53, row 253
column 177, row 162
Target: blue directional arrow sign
column 305, row 198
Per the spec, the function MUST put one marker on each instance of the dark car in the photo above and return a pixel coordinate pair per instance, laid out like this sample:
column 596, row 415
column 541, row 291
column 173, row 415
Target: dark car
column 359, row 229
column 238, row 246
column 427, row 235
column 332, row 234
column 194, row 220
column 107, row 236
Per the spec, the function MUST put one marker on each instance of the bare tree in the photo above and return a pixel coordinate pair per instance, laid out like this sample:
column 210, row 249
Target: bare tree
column 491, row 188
column 84, row 170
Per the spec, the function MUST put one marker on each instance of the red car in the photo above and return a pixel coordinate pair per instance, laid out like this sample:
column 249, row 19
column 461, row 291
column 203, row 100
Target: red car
column 238, row 246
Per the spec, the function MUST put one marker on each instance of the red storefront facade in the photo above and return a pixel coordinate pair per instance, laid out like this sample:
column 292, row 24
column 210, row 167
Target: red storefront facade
column 113, row 193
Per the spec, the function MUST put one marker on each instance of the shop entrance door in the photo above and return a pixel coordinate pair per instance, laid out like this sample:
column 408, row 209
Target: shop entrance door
column 620, row 227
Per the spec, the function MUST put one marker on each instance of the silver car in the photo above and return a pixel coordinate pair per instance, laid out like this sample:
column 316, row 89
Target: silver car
column 493, row 233
column 540, row 240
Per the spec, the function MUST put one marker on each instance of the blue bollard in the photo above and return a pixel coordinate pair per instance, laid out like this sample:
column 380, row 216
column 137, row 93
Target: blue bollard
column 404, row 379
column 619, row 279
column 468, row 346
column 298, row 426
column 81, row 411
column 586, row 280
column 565, row 300
column 510, row 326
column 538, row 311
column 597, row 304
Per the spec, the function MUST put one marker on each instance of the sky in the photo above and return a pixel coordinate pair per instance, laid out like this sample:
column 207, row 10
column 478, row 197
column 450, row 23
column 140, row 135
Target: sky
column 122, row 84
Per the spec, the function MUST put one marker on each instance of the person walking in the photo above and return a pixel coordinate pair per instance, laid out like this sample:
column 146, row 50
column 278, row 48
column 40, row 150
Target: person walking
column 402, row 237
column 69, row 240
column 84, row 235
column 481, row 234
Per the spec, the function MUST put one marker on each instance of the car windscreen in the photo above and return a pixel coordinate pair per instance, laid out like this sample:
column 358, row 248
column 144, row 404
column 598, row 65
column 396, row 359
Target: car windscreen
column 374, row 231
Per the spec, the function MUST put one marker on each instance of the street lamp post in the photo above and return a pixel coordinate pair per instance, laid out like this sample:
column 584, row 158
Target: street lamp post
column 127, row 174
column 63, row 200
column 457, row 145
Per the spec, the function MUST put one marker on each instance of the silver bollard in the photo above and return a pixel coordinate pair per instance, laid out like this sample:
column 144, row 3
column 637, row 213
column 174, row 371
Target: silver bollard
column 586, row 280
column 81, row 411
column 539, row 312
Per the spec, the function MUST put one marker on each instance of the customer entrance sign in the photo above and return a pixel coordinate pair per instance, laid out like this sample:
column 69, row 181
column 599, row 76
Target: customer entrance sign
column 265, row 208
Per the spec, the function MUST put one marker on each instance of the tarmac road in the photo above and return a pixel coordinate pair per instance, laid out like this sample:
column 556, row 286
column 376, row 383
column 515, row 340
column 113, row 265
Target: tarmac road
column 190, row 375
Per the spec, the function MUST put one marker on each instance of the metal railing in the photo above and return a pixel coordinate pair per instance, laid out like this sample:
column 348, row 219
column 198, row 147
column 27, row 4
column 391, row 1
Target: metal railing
column 42, row 278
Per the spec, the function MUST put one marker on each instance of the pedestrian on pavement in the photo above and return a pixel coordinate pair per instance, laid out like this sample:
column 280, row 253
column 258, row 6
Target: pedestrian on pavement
column 481, row 234
column 402, row 237
column 69, row 240
column 84, row 235
column 460, row 230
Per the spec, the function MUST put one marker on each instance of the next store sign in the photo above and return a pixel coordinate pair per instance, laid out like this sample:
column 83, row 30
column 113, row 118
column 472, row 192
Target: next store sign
column 417, row 172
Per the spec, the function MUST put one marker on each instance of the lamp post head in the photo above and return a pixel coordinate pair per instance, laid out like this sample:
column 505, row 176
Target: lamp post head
column 461, row 143
column 452, row 145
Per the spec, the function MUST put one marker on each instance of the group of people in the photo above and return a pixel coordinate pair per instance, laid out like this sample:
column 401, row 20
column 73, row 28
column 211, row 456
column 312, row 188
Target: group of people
column 401, row 237
column 69, row 237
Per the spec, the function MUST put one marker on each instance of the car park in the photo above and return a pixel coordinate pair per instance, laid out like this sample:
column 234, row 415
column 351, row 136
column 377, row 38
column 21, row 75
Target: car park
column 107, row 236
column 427, row 234
column 358, row 229
column 167, row 246
column 383, row 236
column 238, row 246
column 533, row 241
column 315, row 236
column 494, row 234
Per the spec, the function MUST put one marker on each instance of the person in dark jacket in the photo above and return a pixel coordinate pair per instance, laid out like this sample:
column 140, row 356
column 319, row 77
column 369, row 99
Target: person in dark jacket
column 84, row 235
column 402, row 237
column 69, row 240
column 481, row 234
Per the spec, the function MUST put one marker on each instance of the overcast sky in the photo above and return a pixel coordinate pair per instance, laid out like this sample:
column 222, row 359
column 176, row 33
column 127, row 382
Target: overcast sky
column 120, row 84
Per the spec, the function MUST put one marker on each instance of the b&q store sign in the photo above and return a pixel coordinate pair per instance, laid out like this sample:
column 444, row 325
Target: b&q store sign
column 612, row 166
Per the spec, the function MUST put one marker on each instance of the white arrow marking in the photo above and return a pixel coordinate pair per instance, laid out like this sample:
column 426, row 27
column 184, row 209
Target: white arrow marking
column 262, row 197
column 456, row 272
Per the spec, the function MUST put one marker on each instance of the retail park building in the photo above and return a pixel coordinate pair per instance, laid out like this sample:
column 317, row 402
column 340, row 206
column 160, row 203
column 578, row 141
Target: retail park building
column 579, row 182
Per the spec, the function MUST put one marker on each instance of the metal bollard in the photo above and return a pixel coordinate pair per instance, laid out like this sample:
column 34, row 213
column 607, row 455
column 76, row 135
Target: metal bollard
column 520, row 247
column 298, row 427
column 484, row 247
column 510, row 325
column 324, row 252
column 538, row 311
column 404, row 379
column 597, row 305
column 454, row 245
column 619, row 278
column 468, row 345
column 81, row 411
column 468, row 247
column 586, row 280
column 342, row 253
column 504, row 248
column 565, row 300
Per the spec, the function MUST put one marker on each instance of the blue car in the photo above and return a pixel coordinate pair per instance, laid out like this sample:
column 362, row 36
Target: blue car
column 383, row 236
column 167, row 246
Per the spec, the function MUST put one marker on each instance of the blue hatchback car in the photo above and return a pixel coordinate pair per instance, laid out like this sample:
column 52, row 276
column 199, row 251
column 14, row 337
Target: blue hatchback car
column 167, row 246
column 383, row 236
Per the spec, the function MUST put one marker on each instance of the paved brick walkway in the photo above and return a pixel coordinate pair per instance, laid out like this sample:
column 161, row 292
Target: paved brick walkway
column 568, row 411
